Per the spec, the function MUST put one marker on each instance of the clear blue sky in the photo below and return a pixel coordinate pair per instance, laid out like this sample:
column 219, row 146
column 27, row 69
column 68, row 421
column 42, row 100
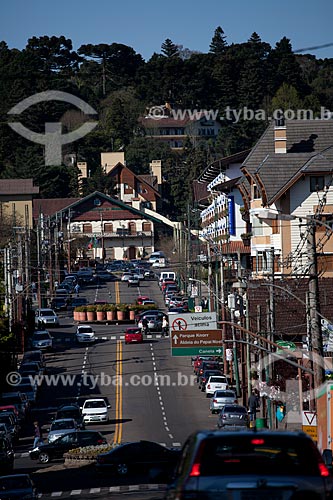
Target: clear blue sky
column 145, row 24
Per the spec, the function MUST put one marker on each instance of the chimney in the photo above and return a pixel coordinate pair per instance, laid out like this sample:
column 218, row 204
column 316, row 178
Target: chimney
column 280, row 135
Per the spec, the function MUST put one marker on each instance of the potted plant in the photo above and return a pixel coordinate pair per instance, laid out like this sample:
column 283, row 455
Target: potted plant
column 111, row 312
column 121, row 311
column 133, row 309
column 246, row 237
column 100, row 312
column 91, row 313
column 81, row 312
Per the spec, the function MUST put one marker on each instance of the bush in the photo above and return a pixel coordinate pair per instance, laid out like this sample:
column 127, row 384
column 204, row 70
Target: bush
column 91, row 308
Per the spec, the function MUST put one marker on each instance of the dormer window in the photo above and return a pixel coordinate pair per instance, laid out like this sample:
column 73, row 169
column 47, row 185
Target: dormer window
column 317, row 183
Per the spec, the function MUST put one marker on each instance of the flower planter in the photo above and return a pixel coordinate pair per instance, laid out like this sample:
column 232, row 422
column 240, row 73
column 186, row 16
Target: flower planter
column 76, row 316
column 101, row 315
column 82, row 316
column 121, row 315
column 110, row 315
column 132, row 315
column 246, row 242
column 91, row 315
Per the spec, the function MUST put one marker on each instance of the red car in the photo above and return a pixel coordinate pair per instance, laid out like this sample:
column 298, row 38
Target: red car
column 133, row 335
column 141, row 298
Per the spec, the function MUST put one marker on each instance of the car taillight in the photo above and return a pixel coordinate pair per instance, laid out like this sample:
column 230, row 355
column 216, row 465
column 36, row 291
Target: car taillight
column 324, row 472
column 195, row 470
column 208, row 386
column 236, row 401
column 100, row 441
column 214, row 400
column 223, row 416
column 101, row 460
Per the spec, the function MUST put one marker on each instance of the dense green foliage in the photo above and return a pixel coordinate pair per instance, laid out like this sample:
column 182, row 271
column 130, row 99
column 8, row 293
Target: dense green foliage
column 120, row 85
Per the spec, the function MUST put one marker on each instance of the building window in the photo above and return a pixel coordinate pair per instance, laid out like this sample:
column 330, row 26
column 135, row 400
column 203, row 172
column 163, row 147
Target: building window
column 108, row 227
column 257, row 226
column 317, row 183
column 263, row 262
column 87, row 228
column 146, row 226
column 256, row 192
column 132, row 227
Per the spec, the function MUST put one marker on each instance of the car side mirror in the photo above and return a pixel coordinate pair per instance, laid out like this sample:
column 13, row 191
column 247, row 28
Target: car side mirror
column 109, row 406
column 328, row 458
column 81, row 407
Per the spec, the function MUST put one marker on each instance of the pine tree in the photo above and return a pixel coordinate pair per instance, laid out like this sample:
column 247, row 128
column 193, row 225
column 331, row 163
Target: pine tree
column 218, row 44
column 169, row 49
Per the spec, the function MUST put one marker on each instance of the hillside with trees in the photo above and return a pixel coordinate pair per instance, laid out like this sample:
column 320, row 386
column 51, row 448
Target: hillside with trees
column 120, row 85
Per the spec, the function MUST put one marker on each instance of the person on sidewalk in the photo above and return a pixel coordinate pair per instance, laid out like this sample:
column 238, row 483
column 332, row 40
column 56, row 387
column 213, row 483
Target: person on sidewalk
column 165, row 326
column 253, row 404
column 37, row 435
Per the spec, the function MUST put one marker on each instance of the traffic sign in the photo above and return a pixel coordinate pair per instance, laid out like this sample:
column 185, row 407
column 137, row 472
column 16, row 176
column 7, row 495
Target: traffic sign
column 311, row 430
column 286, row 345
column 197, row 351
column 195, row 342
column 193, row 321
column 309, row 417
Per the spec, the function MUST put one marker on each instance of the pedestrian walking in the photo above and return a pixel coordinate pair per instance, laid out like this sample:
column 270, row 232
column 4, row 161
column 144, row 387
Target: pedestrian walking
column 165, row 326
column 37, row 435
column 253, row 404
column 144, row 326
column 77, row 289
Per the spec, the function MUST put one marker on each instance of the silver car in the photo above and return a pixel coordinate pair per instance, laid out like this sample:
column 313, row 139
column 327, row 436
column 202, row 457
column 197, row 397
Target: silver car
column 61, row 427
column 46, row 317
column 221, row 398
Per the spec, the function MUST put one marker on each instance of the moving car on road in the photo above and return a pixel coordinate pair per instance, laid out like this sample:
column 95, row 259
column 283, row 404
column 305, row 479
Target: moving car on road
column 138, row 457
column 95, row 410
column 222, row 398
column 214, row 383
column 46, row 317
column 85, row 334
column 42, row 340
column 248, row 465
column 47, row 452
column 71, row 411
column 133, row 336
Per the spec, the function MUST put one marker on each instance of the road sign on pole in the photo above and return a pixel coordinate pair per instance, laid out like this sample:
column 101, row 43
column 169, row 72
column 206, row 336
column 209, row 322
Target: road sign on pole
column 196, row 342
column 193, row 321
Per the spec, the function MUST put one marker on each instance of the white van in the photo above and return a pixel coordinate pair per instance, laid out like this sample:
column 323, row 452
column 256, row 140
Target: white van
column 167, row 275
column 156, row 256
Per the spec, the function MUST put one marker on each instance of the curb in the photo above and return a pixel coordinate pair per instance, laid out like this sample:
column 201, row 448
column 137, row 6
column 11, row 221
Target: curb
column 104, row 490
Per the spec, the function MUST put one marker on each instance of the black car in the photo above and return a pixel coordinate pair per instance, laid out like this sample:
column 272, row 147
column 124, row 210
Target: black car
column 12, row 424
column 77, row 302
column 59, row 304
column 17, row 486
column 250, row 465
column 50, row 451
column 138, row 457
column 6, row 456
column 71, row 411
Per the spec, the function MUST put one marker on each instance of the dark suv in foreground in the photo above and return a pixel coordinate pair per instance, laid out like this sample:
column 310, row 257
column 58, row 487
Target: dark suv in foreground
column 250, row 465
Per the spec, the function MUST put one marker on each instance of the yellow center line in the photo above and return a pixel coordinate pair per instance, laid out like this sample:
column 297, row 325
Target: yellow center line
column 117, row 292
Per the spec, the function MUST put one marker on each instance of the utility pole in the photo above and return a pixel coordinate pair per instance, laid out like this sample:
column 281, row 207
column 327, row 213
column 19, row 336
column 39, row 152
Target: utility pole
column 39, row 297
column 314, row 306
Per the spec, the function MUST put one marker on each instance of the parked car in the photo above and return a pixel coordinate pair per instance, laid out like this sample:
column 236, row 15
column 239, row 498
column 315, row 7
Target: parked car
column 149, row 274
column 19, row 400
column 95, row 410
column 46, row 317
column 220, row 399
column 126, row 276
column 60, row 427
column 59, row 304
column 29, row 390
column 11, row 423
column 214, row 383
column 77, row 302
column 42, row 340
column 141, row 298
column 70, row 411
column 235, row 415
column 47, row 452
column 6, row 456
column 34, row 367
column 85, row 334
column 205, row 376
column 35, row 355
column 5, row 431
column 207, row 365
column 247, row 465
column 17, row 487
column 133, row 336
column 138, row 457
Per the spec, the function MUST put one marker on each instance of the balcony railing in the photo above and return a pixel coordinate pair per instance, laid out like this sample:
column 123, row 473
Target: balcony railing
column 99, row 234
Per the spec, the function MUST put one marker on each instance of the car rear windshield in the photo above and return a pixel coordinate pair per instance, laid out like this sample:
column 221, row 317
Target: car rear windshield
column 95, row 404
column 234, row 409
column 41, row 336
column 68, row 414
column 85, row 329
column 65, row 424
column 220, row 380
column 225, row 394
column 47, row 313
column 253, row 454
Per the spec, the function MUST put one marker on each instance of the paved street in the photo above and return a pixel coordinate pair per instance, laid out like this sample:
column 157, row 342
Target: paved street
column 158, row 399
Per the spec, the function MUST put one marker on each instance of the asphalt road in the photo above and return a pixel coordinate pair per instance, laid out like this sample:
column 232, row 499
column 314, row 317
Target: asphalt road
column 157, row 398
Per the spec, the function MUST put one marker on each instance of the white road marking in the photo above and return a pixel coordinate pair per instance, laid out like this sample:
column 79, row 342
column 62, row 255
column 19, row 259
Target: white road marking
column 76, row 492
column 95, row 490
column 176, row 445
column 170, row 435
column 56, row 494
